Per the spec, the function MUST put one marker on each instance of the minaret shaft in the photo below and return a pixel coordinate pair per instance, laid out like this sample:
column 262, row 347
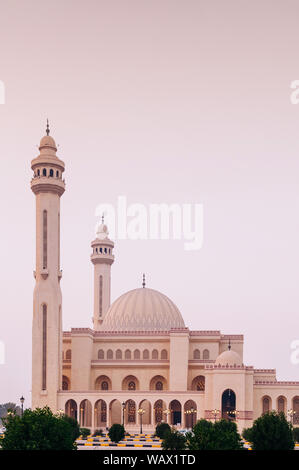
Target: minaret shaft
column 102, row 258
column 48, row 186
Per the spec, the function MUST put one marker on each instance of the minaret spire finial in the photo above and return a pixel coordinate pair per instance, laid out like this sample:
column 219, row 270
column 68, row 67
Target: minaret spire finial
column 47, row 128
column 103, row 218
column 229, row 346
column 143, row 281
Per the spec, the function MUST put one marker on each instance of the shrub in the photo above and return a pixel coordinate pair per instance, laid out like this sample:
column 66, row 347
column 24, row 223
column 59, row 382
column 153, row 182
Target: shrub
column 226, row 436
column 272, row 432
column 246, row 433
column 40, row 429
column 98, row 432
column 174, row 440
column 296, row 434
column 162, row 429
column 84, row 432
column 222, row 435
column 201, row 437
column 116, row 432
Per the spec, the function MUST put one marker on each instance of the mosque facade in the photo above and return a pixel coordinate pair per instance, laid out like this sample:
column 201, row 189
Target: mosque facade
column 138, row 363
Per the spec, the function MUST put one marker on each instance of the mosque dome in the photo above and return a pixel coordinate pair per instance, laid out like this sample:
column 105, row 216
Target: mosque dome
column 228, row 358
column 48, row 142
column 102, row 232
column 142, row 310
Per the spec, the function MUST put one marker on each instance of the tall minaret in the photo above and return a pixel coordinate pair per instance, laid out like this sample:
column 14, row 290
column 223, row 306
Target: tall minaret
column 47, row 185
column 102, row 257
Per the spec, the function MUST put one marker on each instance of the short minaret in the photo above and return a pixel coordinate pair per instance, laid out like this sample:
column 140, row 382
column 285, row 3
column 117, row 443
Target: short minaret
column 48, row 186
column 102, row 257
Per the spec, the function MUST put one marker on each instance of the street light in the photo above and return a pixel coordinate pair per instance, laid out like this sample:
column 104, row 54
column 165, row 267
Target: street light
column 167, row 412
column 233, row 414
column 22, row 399
column 123, row 410
column 193, row 412
column 141, row 412
column 291, row 414
column 215, row 413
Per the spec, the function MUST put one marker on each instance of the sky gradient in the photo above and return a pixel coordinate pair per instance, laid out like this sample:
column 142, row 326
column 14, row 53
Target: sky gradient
column 162, row 101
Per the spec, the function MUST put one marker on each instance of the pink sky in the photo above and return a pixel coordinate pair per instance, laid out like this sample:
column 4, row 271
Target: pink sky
column 161, row 101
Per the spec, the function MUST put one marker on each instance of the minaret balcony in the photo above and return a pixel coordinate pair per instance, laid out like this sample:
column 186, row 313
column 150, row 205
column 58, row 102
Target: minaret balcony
column 102, row 258
column 47, row 184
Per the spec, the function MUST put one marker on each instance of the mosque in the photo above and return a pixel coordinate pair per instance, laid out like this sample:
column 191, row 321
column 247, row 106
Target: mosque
column 138, row 363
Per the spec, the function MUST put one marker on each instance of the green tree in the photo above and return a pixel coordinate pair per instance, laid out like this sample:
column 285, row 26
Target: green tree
column 222, row 435
column 174, row 440
column 226, row 436
column 40, row 429
column 201, row 437
column 116, row 432
column 272, row 432
column 246, row 433
column 162, row 429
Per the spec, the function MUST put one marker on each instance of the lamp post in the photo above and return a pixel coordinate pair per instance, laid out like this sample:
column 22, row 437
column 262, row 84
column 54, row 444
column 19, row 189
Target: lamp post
column 81, row 417
column 123, row 410
column 291, row 414
column 167, row 412
column 233, row 414
column 141, row 412
column 22, row 399
column 215, row 413
column 193, row 412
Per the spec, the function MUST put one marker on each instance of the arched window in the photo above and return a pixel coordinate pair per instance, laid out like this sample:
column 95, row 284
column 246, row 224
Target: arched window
column 159, row 385
column 51, row 173
column 38, row 172
column 196, row 354
column 206, row 354
column 295, row 418
column 68, row 354
column 65, row 383
column 146, row 354
column 131, row 385
column 100, row 295
column 200, row 386
column 100, row 354
column 104, row 385
column 136, row 354
column 164, row 354
column 281, row 404
column 44, row 172
column 127, row 354
column 266, row 404
column 109, row 354
column 57, row 174
column 118, row 354
column 155, row 354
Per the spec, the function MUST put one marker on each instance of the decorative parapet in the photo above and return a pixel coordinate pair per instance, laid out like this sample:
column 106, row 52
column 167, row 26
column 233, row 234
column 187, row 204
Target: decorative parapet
column 265, row 371
column 237, row 337
column 205, row 333
column 226, row 367
column 277, row 383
